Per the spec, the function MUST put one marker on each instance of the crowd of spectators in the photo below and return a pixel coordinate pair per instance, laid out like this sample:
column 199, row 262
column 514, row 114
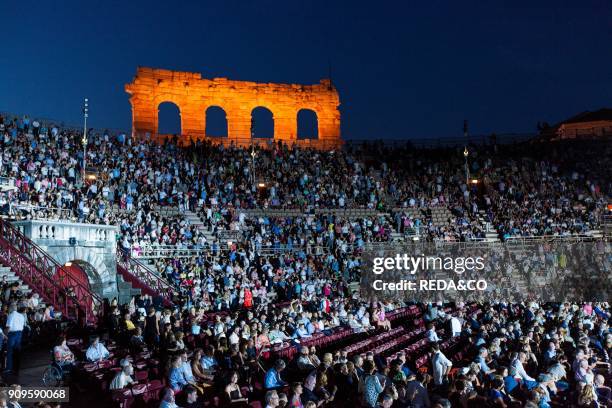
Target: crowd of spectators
column 269, row 318
column 519, row 190
column 458, row 355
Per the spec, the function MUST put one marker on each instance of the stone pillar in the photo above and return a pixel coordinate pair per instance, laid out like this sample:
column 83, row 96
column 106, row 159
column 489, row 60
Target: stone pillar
column 193, row 123
column 238, row 123
column 285, row 125
column 329, row 125
column 144, row 116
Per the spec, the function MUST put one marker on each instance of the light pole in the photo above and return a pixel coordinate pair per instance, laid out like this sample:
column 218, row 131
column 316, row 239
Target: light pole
column 253, row 154
column 84, row 140
column 467, row 171
column 466, row 153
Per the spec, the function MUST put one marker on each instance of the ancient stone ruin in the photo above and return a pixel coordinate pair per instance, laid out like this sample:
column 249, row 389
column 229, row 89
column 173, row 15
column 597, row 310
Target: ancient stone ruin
column 194, row 96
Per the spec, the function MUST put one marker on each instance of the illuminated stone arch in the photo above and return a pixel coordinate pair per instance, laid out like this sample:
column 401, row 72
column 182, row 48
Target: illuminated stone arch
column 194, row 94
column 262, row 123
column 216, row 113
column 307, row 124
column 178, row 109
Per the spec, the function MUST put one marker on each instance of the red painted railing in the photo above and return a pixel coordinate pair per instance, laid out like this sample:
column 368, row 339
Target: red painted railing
column 54, row 283
column 141, row 277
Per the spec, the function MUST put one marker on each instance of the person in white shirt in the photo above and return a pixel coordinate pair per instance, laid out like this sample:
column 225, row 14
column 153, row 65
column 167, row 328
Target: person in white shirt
column 15, row 324
column 432, row 336
column 441, row 365
column 455, row 326
column 33, row 301
column 518, row 371
column 123, row 377
column 277, row 336
column 365, row 321
column 234, row 338
column 354, row 324
column 96, row 351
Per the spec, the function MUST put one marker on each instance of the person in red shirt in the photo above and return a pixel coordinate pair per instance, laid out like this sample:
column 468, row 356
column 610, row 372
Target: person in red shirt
column 248, row 298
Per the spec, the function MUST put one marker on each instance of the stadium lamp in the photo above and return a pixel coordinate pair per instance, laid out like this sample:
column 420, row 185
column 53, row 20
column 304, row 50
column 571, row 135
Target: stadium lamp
column 261, row 185
column 466, row 153
column 474, row 181
column 68, row 264
column 84, row 140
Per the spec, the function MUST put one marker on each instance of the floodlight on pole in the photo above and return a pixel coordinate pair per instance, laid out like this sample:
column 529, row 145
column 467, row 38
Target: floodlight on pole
column 466, row 153
column 84, row 140
column 253, row 154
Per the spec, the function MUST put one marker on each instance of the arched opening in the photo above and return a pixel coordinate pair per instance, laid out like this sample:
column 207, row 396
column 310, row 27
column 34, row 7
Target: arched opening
column 307, row 124
column 77, row 272
column 262, row 123
column 168, row 119
column 216, row 122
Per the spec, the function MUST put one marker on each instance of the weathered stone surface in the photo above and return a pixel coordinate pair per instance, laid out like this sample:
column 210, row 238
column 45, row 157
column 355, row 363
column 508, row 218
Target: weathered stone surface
column 193, row 94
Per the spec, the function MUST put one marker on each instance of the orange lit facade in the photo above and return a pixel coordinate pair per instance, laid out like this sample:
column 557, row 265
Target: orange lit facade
column 586, row 124
column 193, row 95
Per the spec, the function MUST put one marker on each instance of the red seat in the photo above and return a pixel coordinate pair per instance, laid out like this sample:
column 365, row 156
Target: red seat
column 142, row 375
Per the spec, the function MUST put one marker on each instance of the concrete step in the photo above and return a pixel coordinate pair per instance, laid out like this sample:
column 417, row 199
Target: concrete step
column 11, row 277
column 125, row 289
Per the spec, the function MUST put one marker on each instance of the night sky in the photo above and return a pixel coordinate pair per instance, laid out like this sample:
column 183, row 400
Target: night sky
column 403, row 69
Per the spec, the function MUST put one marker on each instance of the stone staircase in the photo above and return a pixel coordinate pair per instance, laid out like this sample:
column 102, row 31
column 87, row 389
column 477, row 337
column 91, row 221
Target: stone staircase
column 491, row 233
column 440, row 216
column 12, row 277
column 194, row 219
column 607, row 226
column 125, row 290
column 23, row 287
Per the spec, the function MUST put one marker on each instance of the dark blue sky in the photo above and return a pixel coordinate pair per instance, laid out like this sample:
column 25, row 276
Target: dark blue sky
column 403, row 69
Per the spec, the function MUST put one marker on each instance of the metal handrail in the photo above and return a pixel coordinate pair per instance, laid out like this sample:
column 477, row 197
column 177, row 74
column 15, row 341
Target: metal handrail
column 144, row 275
column 166, row 252
column 549, row 238
column 42, row 272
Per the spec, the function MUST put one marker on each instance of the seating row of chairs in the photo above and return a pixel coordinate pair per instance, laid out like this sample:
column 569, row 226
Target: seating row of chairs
column 356, row 348
column 322, row 340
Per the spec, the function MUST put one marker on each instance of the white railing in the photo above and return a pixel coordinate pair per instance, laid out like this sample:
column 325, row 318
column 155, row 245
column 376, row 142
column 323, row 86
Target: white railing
column 169, row 251
column 63, row 230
